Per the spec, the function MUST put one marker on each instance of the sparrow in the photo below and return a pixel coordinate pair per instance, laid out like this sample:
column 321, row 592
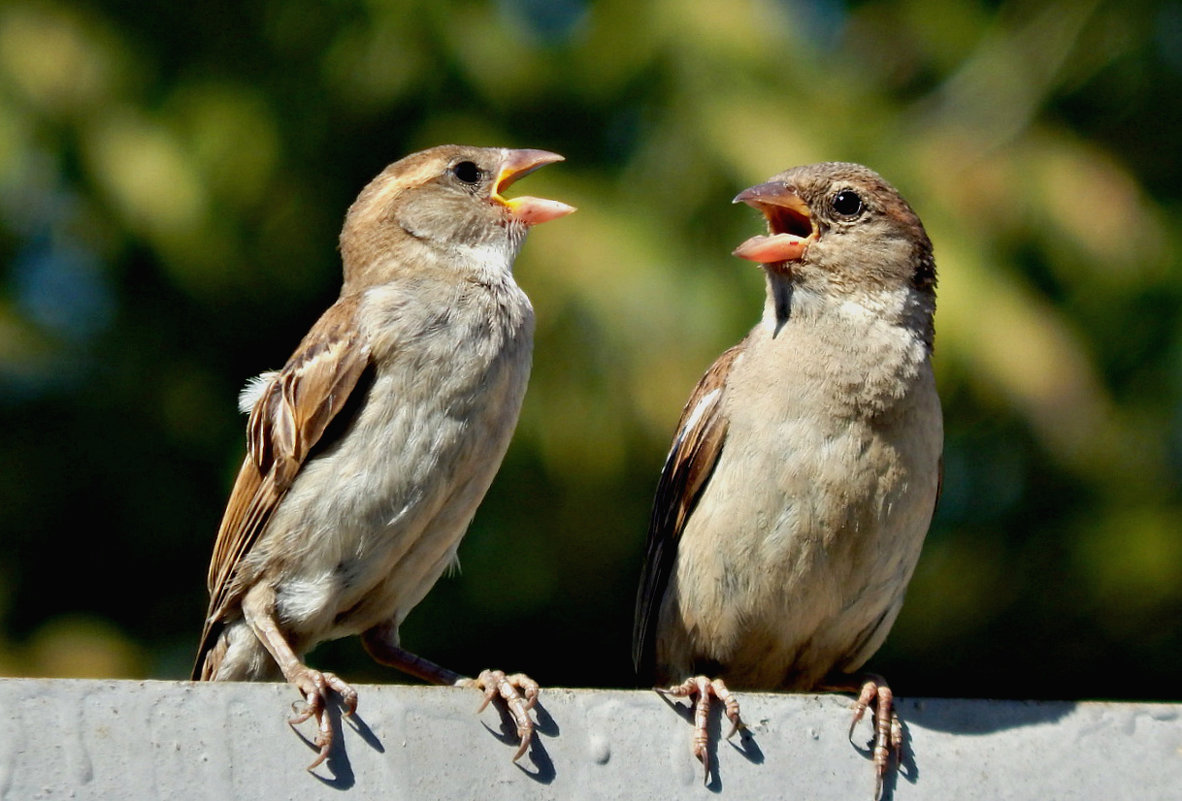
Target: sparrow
column 369, row 451
column 804, row 473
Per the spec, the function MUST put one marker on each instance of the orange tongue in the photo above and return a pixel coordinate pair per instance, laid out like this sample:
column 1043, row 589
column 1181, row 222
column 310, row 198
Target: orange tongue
column 534, row 210
column 767, row 249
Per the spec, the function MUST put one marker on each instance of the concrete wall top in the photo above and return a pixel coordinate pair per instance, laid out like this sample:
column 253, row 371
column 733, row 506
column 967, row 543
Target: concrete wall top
column 82, row 739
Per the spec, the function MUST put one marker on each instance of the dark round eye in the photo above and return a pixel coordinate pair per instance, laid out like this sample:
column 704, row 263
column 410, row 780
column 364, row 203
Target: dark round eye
column 466, row 171
column 847, row 203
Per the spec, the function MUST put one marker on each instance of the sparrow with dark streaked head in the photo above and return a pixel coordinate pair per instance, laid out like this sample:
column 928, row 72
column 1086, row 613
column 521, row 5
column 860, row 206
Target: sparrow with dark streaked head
column 805, row 469
column 369, row 451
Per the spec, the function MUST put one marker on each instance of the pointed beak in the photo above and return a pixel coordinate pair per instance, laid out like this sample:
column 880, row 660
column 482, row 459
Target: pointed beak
column 791, row 227
column 529, row 210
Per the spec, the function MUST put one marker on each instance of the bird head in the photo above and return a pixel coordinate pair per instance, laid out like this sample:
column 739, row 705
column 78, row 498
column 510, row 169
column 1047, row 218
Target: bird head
column 446, row 200
column 839, row 225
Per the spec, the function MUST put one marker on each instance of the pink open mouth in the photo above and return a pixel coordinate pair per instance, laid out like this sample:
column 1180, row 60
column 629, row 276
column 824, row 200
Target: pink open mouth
column 790, row 224
column 529, row 210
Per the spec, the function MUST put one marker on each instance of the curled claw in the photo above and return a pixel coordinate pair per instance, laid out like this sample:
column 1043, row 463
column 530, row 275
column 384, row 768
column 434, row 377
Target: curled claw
column 520, row 694
column 703, row 688
column 301, row 711
column 888, row 730
column 528, row 687
column 348, row 694
column 730, row 706
column 315, row 687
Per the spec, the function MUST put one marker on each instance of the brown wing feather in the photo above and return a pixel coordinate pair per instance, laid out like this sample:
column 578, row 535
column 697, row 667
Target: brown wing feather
column 288, row 419
column 701, row 432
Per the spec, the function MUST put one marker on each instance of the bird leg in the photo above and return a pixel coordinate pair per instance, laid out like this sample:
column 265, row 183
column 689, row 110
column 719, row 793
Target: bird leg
column 704, row 687
column 518, row 691
column 888, row 731
column 314, row 685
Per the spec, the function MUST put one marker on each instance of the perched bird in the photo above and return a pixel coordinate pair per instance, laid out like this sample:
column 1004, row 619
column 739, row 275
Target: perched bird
column 368, row 453
column 805, row 469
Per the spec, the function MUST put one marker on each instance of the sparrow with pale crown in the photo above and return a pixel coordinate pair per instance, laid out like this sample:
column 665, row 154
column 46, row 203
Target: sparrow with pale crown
column 370, row 450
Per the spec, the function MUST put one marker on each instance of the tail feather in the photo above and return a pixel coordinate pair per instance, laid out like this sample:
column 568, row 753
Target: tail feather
column 211, row 652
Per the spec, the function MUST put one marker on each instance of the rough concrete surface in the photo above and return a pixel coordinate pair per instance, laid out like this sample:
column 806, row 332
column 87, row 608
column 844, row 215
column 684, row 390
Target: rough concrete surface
column 179, row 740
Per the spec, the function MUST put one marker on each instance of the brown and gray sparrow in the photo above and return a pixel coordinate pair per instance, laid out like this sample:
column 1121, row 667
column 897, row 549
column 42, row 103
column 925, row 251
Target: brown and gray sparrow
column 368, row 453
column 805, row 469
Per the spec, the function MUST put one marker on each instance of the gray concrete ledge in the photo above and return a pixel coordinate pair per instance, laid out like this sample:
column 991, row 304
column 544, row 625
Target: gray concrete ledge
column 179, row 740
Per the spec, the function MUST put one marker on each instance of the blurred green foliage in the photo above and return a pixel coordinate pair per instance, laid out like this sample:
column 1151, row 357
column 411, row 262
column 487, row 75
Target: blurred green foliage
column 173, row 177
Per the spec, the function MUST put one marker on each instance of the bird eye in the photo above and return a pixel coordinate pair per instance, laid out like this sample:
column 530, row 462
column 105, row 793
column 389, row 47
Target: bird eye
column 847, row 203
column 467, row 172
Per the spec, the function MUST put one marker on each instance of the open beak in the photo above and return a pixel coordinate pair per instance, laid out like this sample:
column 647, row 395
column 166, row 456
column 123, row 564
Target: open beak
column 529, row 210
column 791, row 227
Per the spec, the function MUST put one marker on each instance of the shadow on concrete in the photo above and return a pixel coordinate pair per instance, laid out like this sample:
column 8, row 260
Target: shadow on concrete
column 900, row 764
column 966, row 717
column 906, row 767
column 747, row 746
column 545, row 772
column 337, row 764
column 357, row 724
column 980, row 716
